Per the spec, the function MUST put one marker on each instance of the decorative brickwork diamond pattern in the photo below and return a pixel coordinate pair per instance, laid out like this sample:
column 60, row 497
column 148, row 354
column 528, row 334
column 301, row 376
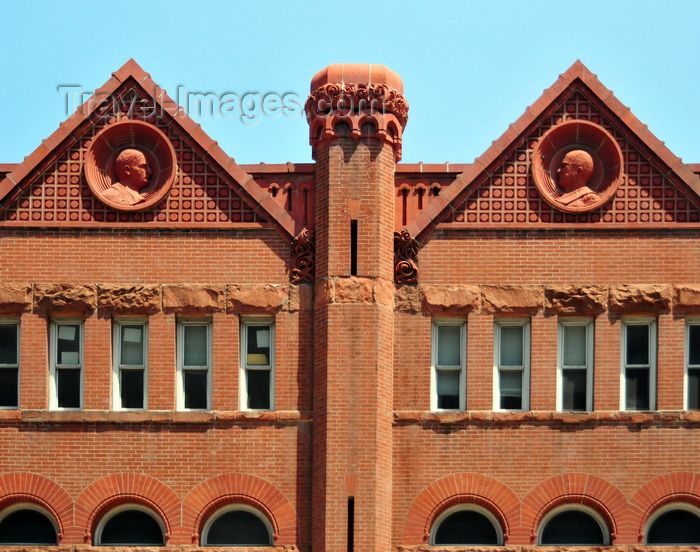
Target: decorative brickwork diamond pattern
column 645, row 196
column 199, row 197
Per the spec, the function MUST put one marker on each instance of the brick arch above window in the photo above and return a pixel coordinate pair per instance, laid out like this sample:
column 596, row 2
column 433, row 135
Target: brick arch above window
column 452, row 490
column 240, row 488
column 573, row 488
column 107, row 493
column 21, row 487
column 677, row 487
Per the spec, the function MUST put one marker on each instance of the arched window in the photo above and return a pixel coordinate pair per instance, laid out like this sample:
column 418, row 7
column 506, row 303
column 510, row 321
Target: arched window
column 130, row 525
column 677, row 524
column 466, row 524
column 573, row 526
column 237, row 525
column 27, row 524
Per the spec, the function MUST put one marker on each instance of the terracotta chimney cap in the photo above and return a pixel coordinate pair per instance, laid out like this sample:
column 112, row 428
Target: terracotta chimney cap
column 357, row 73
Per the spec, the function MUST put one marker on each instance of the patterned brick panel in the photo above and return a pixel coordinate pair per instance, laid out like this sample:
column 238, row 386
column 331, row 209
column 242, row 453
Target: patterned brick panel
column 646, row 196
column 61, row 196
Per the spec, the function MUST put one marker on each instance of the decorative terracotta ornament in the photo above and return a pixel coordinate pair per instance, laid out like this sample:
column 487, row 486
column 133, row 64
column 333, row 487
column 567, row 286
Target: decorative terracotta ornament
column 577, row 166
column 130, row 166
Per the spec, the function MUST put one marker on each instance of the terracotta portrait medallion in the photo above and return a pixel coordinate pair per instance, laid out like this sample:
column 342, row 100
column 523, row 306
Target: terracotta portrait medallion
column 130, row 166
column 577, row 166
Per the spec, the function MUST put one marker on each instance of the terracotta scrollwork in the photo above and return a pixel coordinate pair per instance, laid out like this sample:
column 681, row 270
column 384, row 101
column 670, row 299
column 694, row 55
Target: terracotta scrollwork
column 405, row 253
column 303, row 248
column 344, row 99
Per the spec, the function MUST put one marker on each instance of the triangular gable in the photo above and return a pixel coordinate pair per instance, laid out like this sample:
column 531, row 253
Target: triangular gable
column 48, row 188
column 656, row 189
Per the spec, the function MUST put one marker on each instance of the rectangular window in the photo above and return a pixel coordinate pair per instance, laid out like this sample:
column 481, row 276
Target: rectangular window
column 449, row 365
column 575, row 364
column 194, row 365
column 130, row 364
column 66, row 364
column 9, row 363
column 257, row 364
column 512, row 364
column 692, row 365
column 638, row 389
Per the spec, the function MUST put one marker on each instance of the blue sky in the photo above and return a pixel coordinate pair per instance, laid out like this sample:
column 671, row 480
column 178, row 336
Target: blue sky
column 469, row 68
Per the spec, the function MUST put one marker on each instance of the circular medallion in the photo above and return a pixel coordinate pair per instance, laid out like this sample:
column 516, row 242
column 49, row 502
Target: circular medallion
column 577, row 166
column 130, row 165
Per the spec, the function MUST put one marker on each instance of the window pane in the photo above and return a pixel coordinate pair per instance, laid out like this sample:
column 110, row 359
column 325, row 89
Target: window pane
column 572, row 527
column 68, row 345
column 258, row 389
column 238, row 528
column 132, row 528
column 8, row 343
column 68, row 393
column 574, row 389
column 693, row 389
column 27, row 527
column 575, row 345
column 449, row 346
column 511, row 388
column 132, row 388
column 8, row 387
column 512, row 345
column 258, row 345
column 637, row 344
column 131, row 345
column 466, row 528
column 694, row 344
column 679, row 527
column 195, row 345
column 637, row 389
column 195, row 389
column 448, row 383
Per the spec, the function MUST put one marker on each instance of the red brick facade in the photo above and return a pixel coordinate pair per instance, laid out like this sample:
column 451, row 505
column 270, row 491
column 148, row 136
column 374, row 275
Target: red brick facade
column 350, row 268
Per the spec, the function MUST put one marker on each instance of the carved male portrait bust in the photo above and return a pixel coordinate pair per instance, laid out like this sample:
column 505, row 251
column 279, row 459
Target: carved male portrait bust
column 133, row 171
column 130, row 165
column 577, row 166
column 574, row 174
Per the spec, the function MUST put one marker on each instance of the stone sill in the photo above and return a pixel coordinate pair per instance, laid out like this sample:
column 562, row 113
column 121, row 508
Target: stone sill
column 156, row 416
column 547, row 417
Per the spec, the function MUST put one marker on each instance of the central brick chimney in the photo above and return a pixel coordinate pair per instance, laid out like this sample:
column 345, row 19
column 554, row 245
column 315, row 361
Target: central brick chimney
column 356, row 114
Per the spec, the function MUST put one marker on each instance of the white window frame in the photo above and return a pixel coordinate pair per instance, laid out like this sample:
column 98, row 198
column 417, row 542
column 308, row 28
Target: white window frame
column 117, row 367
column 638, row 321
column 656, row 514
column 581, row 508
column 118, row 509
column 54, row 367
column 236, row 507
column 686, row 361
column 35, row 508
column 525, row 368
column 588, row 367
column 182, row 369
column 472, row 508
column 12, row 321
column 245, row 367
column 461, row 367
